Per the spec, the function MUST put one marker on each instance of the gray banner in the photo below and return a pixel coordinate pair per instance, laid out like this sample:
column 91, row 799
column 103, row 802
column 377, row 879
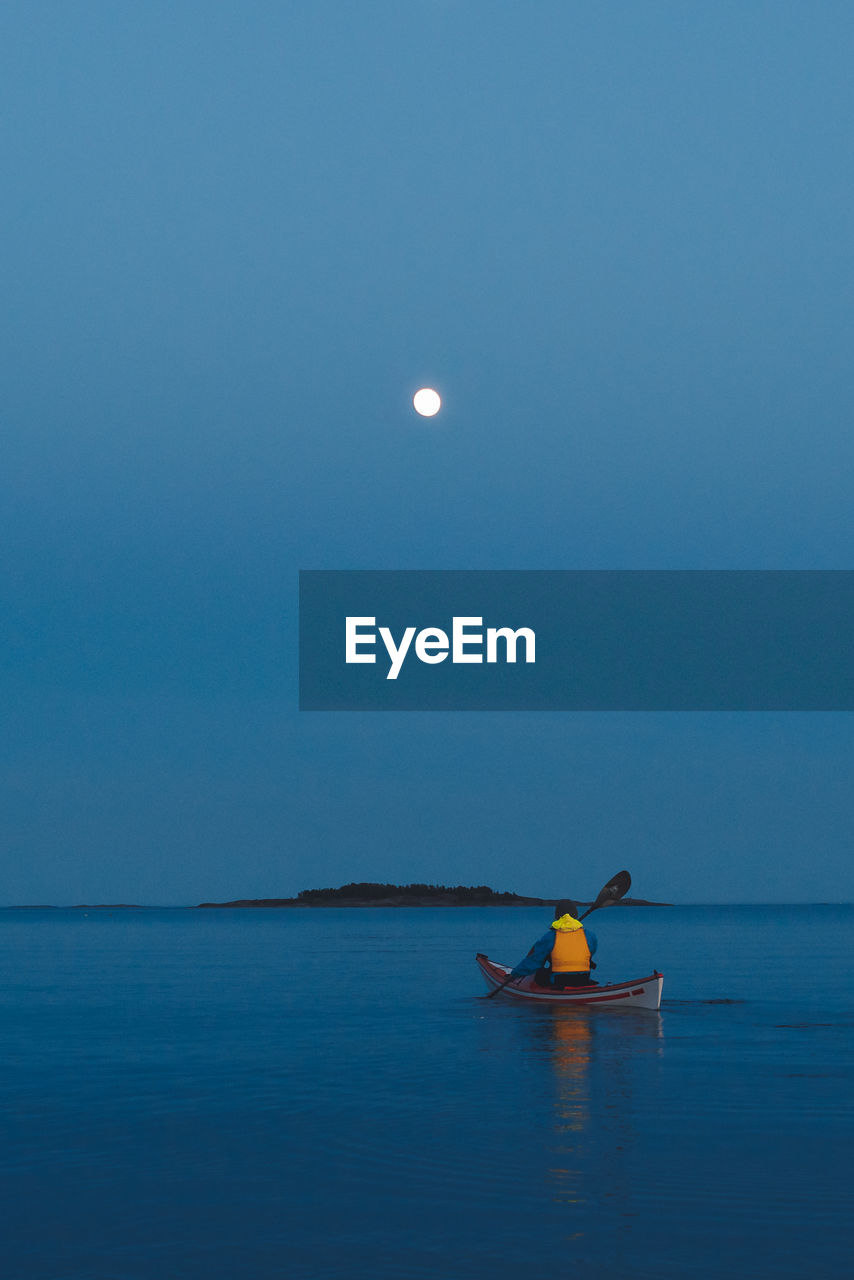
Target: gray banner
column 652, row 640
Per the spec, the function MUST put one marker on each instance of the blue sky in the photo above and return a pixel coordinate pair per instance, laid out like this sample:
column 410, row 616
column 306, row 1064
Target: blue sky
column 236, row 239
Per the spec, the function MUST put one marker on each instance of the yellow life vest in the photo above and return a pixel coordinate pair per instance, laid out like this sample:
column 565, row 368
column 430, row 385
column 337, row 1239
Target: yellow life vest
column 570, row 953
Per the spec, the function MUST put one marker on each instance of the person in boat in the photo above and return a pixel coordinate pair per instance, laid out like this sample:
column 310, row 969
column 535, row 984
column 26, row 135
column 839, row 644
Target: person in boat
column 563, row 956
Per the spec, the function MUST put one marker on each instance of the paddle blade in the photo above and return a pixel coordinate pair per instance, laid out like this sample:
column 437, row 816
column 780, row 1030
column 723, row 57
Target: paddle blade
column 613, row 891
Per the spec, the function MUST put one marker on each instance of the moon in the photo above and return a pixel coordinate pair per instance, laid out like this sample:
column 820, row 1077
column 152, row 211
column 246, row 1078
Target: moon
column 427, row 402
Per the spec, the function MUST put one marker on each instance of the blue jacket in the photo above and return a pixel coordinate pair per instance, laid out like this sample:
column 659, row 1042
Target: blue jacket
column 542, row 949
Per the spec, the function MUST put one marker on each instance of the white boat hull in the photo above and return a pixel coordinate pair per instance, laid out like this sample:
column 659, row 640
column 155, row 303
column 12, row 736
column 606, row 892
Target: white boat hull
column 642, row 993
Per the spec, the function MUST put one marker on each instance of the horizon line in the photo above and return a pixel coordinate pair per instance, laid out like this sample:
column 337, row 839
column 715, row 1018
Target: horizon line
column 192, row 906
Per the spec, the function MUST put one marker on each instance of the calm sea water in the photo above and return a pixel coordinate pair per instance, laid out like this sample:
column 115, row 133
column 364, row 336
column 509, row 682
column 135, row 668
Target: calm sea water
column 324, row 1094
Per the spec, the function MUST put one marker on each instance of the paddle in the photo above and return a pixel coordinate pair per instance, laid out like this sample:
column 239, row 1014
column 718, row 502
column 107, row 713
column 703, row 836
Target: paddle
column 613, row 891
column 608, row 895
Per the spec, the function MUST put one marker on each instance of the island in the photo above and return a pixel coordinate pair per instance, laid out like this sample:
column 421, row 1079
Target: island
column 368, row 894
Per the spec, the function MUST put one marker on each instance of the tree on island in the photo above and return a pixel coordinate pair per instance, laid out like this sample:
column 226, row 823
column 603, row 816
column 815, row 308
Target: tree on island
column 367, row 890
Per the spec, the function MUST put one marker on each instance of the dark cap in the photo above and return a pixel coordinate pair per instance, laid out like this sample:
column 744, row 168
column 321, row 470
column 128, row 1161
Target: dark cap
column 566, row 907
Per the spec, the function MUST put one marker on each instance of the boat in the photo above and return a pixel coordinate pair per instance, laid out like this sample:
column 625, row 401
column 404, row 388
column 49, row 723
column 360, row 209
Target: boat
column 642, row 993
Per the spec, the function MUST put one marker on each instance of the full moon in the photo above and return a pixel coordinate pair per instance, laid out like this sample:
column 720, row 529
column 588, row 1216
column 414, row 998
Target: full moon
column 427, row 402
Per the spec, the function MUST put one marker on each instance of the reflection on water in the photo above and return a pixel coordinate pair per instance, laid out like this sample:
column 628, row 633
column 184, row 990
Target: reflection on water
column 571, row 1061
column 571, row 1052
column 590, row 1073
column 584, row 1060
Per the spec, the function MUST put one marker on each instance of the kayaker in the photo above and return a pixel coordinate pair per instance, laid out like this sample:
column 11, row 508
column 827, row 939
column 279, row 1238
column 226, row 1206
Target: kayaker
column 563, row 956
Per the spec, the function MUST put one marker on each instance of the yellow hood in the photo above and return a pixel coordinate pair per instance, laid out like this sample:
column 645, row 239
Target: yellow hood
column 566, row 924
